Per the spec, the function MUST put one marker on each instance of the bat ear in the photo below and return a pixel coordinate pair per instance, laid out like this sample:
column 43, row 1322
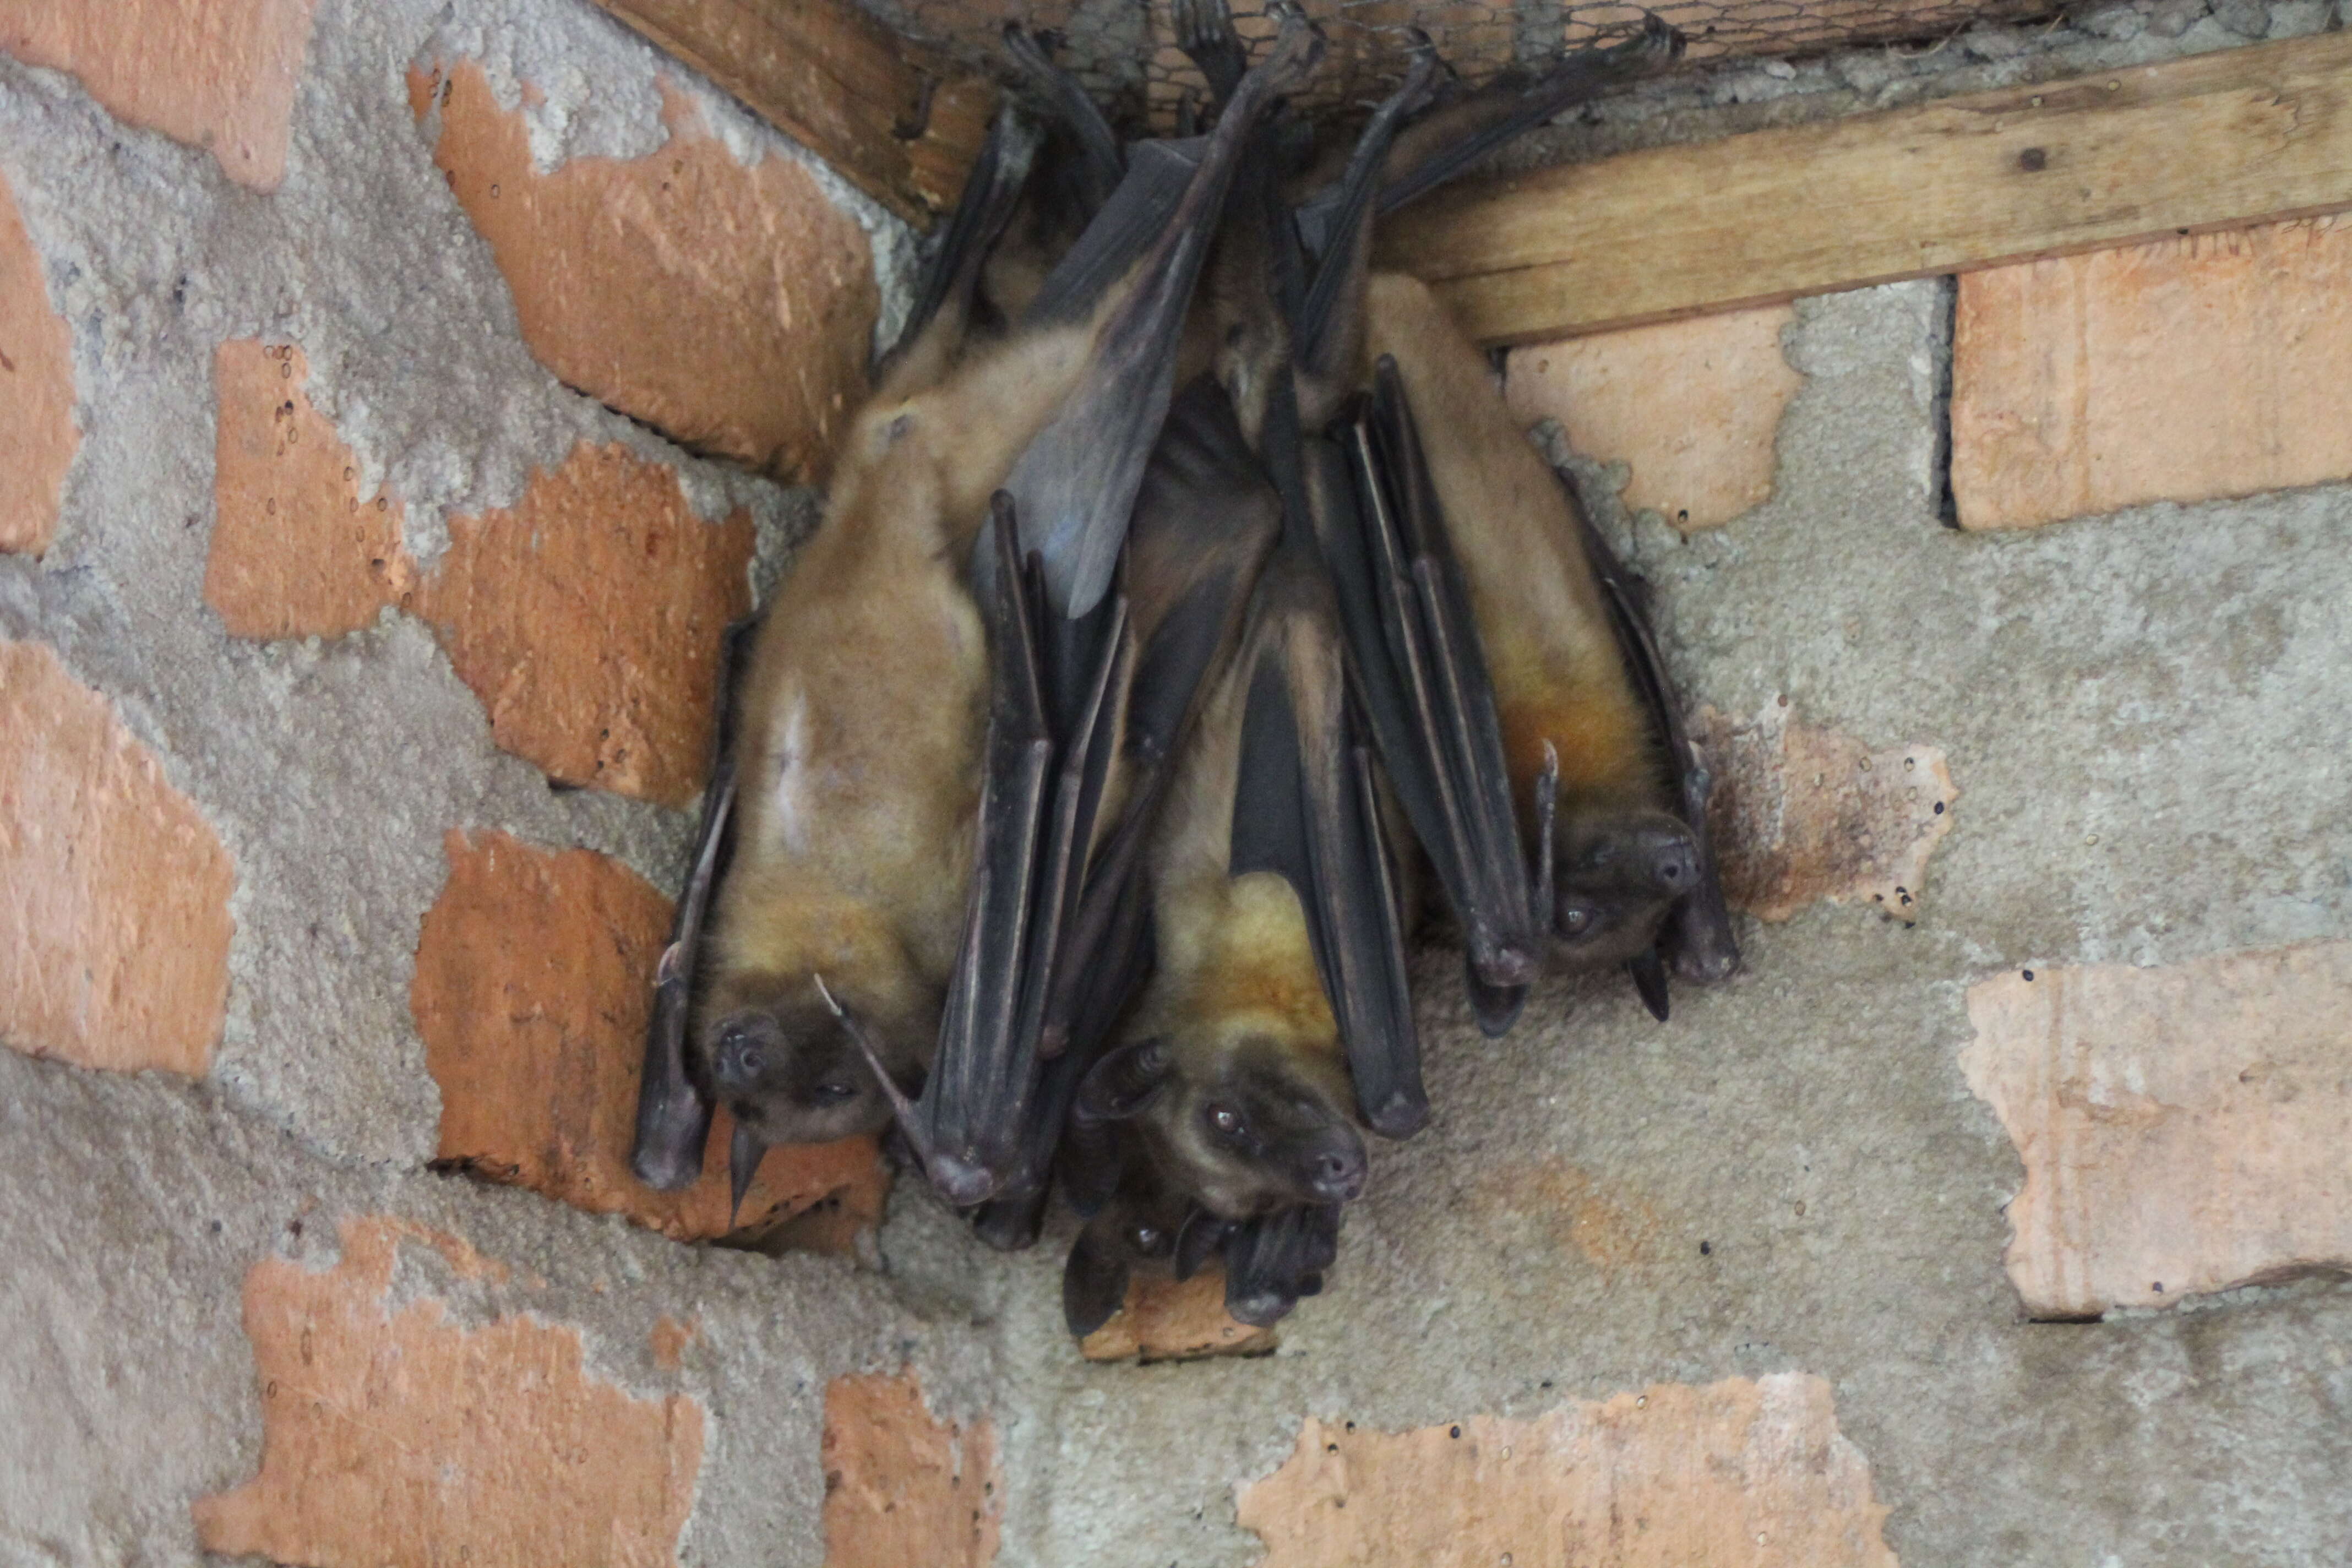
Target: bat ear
column 1094, row 1282
column 1124, row 1083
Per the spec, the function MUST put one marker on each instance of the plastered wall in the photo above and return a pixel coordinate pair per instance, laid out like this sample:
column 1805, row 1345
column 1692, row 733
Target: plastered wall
column 394, row 400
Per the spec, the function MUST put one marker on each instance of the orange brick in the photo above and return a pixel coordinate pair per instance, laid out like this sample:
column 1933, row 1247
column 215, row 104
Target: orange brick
column 534, row 981
column 1753, row 1473
column 2180, row 369
column 391, row 1435
column 1801, row 814
column 732, row 308
column 1691, row 407
column 2184, row 1129
column 587, row 619
column 114, row 923
column 216, row 74
column 670, row 1340
column 37, row 434
column 900, row 1486
column 1166, row 1321
column 295, row 550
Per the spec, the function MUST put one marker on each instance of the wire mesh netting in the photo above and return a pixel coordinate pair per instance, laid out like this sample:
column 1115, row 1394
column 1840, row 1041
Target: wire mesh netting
column 1125, row 50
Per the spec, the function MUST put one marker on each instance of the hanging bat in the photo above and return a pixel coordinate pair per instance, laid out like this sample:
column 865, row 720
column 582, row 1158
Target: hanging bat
column 861, row 902
column 1278, row 1016
column 1509, row 705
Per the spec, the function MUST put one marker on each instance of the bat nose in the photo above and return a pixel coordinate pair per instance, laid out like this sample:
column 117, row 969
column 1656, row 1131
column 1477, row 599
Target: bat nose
column 739, row 1062
column 1676, row 867
column 1338, row 1175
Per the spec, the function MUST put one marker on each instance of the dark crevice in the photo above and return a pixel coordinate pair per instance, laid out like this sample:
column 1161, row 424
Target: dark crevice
column 1940, row 463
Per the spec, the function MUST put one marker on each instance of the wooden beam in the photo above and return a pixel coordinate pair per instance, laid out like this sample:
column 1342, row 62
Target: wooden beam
column 2219, row 141
column 839, row 83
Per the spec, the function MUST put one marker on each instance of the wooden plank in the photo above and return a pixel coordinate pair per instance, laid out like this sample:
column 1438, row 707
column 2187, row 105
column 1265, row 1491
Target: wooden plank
column 2215, row 141
column 839, row 83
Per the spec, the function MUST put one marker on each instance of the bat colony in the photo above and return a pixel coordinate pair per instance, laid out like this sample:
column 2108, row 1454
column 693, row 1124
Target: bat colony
column 1182, row 573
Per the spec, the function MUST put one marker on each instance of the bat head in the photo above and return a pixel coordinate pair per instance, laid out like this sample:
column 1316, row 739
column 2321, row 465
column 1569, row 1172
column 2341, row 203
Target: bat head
column 1614, row 876
column 1242, row 1125
column 777, row 1058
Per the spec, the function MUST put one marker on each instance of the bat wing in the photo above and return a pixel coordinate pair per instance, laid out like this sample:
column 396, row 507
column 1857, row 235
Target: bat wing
column 1304, row 807
column 1275, row 1260
column 1012, row 1219
column 1076, row 483
column 1427, row 690
column 1204, row 522
column 1698, row 937
column 673, row 1113
column 973, row 1126
column 990, row 192
column 1061, row 659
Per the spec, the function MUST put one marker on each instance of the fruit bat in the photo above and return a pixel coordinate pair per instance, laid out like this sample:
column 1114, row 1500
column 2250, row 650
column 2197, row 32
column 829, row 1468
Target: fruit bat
column 1277, row 1017
column 1278, row 1021
column 1512, row 698
column 1605, row 782
column 894, row 810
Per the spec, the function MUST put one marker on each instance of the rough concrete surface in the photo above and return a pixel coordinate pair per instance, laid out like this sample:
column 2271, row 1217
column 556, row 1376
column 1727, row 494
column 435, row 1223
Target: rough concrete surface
column 1790, row 1186
column 146, row 1218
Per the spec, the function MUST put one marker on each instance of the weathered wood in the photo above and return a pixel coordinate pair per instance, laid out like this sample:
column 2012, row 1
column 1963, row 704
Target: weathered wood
column 2215, row 141
column 838, row 82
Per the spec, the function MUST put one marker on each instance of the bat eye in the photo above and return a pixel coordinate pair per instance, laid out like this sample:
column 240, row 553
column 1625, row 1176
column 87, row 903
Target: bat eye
column 1226, row 1120
column 1575, row 920
column 834, row 1093
column 1147, row 1237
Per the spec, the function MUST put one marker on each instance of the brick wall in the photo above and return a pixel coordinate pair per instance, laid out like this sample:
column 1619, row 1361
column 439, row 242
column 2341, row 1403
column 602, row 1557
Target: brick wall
column 396, row 398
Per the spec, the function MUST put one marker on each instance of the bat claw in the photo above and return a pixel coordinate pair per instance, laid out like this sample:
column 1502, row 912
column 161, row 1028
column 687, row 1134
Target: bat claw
column 961, row 1181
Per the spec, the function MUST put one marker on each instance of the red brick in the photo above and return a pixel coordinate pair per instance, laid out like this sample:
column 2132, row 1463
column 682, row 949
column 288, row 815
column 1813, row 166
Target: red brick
column 1167, row 1320
column 2184, row 1129
column 295, row 550
column 732, row 308
column 586, row 617
column 114, row 923
column 587, row 620
column 1802, row 813
column 901, row 1487
column 392, row 1434
column 1691, row 407
column 534, row 980
column 2182, row 370
column 37, row 434
column 1752, row 1473
column 216, row 74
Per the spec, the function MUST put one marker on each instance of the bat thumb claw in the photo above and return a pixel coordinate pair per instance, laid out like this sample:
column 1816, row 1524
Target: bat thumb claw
column 744, row 1152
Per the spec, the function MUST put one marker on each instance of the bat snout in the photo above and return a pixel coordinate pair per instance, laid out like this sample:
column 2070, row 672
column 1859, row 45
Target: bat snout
column 1336, row 1176
column 738, row 1064
column 1673, row 868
